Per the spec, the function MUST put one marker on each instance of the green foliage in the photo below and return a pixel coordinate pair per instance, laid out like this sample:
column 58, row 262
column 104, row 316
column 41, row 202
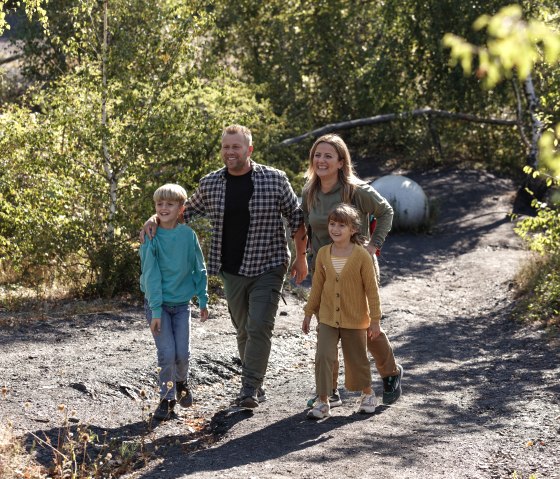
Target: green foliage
column 333, row 60
column 105, row 125
column 515, row 46
column 542, row 232
column 549, row 152
column 539, row 293
column 76, row 179
column 116, row 267
column 33, row 9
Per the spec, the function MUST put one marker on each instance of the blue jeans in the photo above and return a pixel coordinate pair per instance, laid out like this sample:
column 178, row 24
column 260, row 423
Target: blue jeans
column 173, row 345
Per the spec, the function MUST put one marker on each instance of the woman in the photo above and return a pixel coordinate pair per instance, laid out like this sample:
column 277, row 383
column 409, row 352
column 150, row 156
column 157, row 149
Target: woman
column 331, row 180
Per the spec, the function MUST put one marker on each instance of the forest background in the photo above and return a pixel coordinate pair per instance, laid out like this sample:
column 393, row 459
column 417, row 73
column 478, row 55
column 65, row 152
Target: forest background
column 113, row 99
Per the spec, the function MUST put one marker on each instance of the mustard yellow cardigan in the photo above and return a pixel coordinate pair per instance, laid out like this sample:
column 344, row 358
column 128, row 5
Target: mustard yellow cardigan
column 347, row 300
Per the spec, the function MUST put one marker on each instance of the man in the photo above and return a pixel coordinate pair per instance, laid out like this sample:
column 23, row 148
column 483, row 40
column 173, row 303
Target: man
column 246, row 203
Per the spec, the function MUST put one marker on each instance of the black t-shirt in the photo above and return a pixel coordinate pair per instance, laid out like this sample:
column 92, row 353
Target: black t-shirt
column 239, row 190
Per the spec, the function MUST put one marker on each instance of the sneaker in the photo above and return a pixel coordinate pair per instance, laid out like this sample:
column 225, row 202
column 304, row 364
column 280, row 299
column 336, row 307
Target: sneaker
column 261, row 395
column 164, row 410
column 368, row 403
column 320, row 410
column 334, row 399
column 184, row 394
column 392, row 387
column 247, row 397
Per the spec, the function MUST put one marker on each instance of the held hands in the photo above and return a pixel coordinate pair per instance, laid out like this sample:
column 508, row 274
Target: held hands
column 203, row 315
column 150, row 227
column 374, row 330
column 373, row 250
column 305, row 326
column 155, row 326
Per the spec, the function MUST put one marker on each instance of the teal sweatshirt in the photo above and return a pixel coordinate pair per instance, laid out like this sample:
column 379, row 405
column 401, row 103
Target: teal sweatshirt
column 173, row 269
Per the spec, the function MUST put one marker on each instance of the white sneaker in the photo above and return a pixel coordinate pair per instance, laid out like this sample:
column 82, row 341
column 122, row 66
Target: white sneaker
column 320, row 410
column 368, row 403
column 334, row 399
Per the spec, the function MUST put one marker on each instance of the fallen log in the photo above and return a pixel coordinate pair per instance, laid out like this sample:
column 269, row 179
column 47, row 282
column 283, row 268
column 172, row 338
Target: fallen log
column 429, row 112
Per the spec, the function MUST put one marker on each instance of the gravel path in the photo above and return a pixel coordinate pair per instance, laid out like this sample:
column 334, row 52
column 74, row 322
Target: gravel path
column 480, row 393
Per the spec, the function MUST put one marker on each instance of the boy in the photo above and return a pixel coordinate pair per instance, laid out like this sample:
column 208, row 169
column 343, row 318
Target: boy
column 173, row 271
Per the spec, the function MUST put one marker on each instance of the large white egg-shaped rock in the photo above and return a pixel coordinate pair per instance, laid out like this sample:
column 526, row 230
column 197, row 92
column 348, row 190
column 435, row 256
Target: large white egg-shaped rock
column 409, row 202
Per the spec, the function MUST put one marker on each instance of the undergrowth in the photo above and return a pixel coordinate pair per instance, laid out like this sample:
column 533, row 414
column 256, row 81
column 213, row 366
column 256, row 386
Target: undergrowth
column 81, row 451
column 76, row 451
column 539, row 281
column 539, row 293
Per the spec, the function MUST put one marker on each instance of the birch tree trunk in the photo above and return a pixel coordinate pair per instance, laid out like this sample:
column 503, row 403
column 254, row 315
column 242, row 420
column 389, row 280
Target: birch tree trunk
column 532, row 187
column 107, row 164
column 536, row 124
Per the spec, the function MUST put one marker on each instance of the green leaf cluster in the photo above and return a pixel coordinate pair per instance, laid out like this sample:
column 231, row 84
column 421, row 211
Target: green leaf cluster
column 514, row 46
column 540, row 279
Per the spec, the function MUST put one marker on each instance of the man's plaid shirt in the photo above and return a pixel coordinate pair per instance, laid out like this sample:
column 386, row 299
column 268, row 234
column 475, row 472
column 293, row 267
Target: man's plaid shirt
column 273, row 199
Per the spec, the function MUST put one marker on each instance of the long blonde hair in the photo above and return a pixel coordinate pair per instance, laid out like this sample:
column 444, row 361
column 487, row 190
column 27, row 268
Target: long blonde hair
column 346, row 174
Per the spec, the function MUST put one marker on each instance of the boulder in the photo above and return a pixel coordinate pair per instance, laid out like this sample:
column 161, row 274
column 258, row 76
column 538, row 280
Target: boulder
column 409, row 202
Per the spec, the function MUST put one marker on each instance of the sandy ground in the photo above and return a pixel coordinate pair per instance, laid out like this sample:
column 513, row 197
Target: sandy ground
column 480, row 392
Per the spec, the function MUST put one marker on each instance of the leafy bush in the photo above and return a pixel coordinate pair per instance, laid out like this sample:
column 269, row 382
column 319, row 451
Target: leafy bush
column 540, row 282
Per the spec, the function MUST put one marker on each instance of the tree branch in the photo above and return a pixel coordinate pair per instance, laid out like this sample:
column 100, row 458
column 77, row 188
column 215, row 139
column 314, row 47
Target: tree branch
column 11, row 59
column 344, row 125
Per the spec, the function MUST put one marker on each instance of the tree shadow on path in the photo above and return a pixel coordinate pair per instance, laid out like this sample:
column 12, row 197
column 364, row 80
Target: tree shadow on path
column 274, row 441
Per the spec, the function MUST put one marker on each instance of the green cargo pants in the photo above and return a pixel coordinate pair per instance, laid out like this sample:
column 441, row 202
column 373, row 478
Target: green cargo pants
column 253, row 303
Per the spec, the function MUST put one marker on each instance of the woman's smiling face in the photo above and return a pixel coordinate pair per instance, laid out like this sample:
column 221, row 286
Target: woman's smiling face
column 326, row 161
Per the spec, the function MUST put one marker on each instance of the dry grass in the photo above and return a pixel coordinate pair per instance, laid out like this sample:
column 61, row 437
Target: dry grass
column 15, row 462
column 537, row 288
column 77, row 453
column 21, row 305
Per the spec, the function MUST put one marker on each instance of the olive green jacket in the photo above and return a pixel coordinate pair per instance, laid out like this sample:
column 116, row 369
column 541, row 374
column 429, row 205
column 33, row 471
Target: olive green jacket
column 366, row 200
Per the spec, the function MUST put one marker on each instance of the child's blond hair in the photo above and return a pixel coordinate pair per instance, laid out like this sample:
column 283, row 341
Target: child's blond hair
column 349, row 216
column 171, row 192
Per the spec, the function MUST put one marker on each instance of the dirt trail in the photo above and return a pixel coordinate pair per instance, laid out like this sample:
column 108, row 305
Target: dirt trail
column 480, row 393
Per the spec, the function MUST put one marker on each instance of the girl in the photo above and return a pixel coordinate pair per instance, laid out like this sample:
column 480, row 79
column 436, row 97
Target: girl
column 330, row 181
column 345, row 298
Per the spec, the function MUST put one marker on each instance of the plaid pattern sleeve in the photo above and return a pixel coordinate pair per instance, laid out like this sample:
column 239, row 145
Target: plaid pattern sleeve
column 273, row 201
column 209, row 200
